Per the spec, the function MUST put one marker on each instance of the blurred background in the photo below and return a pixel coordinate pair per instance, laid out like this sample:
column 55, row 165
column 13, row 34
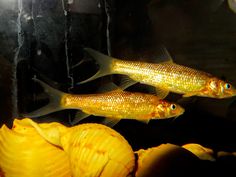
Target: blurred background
column 45, row 39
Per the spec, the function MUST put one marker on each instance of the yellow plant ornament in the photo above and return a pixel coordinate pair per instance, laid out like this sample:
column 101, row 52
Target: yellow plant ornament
column 24, row 153
column 94, row 150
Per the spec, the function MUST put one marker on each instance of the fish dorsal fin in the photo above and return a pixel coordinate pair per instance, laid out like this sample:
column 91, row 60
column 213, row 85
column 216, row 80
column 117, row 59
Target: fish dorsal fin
column 80, row 115
column 161, row 93
column 110, row 121
column 126, row 82
column 164, row 56
column 109, row 87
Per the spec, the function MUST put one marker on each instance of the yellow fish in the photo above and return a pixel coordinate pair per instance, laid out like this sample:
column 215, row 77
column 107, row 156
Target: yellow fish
column 165, row 76
column 114, row 105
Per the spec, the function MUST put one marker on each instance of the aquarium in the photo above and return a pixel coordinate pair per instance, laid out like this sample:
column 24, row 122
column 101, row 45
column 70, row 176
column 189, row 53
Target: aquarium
column 148, row 84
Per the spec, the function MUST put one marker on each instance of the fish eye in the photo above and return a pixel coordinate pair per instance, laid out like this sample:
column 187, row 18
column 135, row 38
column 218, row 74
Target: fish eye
column 227, row 86
column 173, row 106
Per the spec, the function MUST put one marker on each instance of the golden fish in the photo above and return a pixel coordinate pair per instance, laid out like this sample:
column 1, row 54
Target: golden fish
column 94, row 150
column 114, row 105
column 165, row 76
column 24, row 153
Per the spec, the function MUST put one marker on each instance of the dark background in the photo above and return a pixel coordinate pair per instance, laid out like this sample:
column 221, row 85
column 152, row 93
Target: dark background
column 45, row 38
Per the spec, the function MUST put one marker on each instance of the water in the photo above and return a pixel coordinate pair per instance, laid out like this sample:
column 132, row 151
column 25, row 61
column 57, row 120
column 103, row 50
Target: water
column 46, row 39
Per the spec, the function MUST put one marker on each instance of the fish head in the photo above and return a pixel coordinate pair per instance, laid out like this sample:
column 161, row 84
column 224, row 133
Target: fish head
column 218, row 88
column 168, row 110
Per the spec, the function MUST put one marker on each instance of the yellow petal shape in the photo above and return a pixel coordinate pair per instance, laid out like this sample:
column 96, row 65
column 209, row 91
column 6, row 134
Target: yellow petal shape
column 24, row 153
column 94, row 150
column 164, row 161
column 98, row 151
column 200, row 151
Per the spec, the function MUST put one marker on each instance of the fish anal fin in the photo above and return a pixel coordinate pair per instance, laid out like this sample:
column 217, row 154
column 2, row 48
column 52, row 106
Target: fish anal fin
column 110, row 121
column 161, row 93
column 80, row 115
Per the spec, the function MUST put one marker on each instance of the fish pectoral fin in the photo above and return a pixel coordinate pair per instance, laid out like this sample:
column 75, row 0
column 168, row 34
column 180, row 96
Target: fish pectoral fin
column 80, row 115
column 162, row 93
column 110, row 121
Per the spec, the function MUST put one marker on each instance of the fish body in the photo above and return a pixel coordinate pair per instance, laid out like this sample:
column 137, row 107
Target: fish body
column 165, row 76
column 116, row 105
column 121, row 104
column 168, row 76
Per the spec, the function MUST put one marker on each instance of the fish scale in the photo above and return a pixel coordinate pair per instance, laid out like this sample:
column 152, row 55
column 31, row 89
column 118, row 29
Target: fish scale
column 116, row 104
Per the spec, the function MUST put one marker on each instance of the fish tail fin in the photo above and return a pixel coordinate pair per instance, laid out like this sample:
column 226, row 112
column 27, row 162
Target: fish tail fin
column 54, row 104
column 104, row 62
